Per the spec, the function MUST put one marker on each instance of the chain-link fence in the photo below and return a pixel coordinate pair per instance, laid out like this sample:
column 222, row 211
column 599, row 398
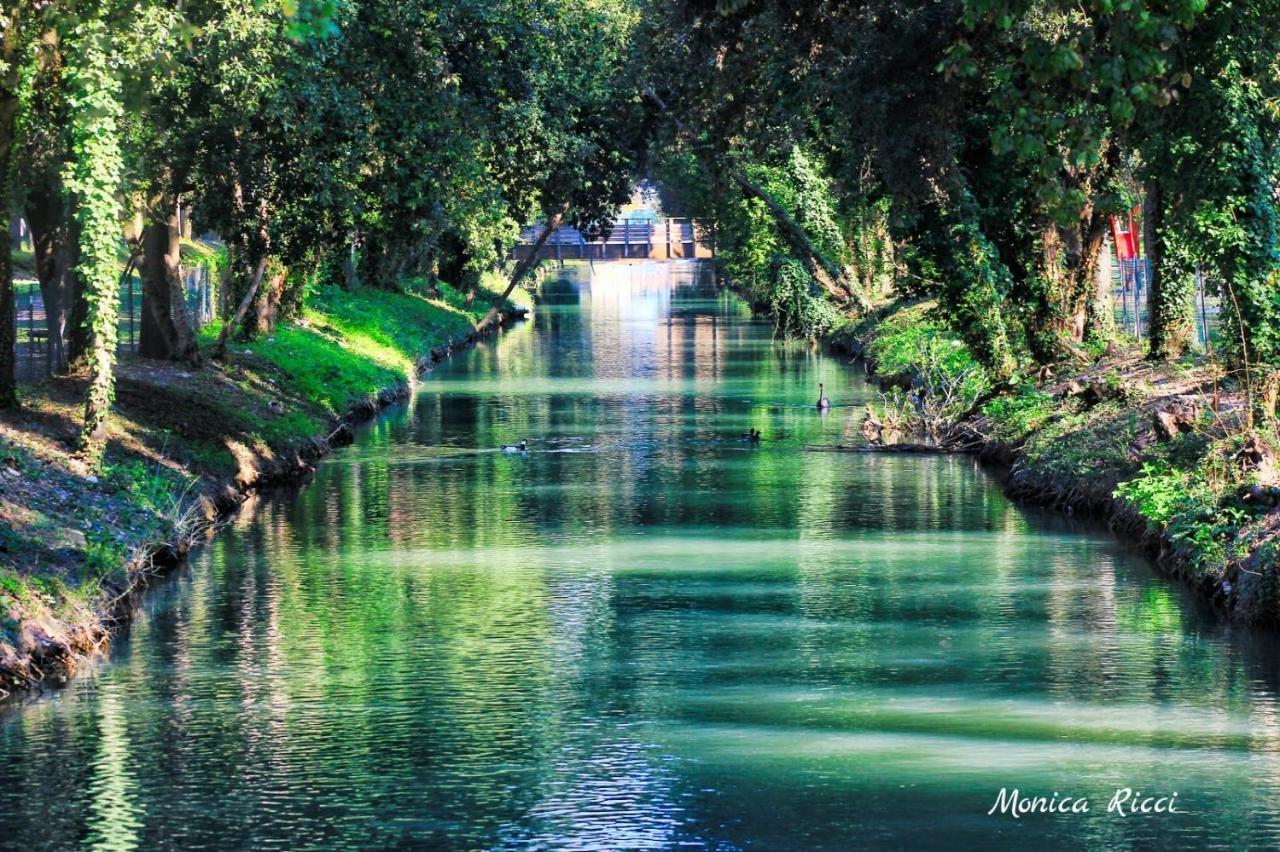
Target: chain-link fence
column 1131, row 289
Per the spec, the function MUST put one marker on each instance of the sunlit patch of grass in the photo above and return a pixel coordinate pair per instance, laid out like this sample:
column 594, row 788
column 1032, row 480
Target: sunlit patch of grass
column 1085, row 444
column 350, row 344
column 324, row 368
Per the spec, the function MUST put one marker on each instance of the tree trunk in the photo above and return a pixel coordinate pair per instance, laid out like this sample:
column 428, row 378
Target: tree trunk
column 350, row 269
column 523, row 268
column 266, row 308
column 8, row 304
column 78, row 317
column 53, row 243
column 167, row 332
column 1068, row 266
column 96, row 176
column 1100, row 323
column 1051, row 316
column 1085, row 270
column 220, row 348
column 825, row 271
column 1170, row 295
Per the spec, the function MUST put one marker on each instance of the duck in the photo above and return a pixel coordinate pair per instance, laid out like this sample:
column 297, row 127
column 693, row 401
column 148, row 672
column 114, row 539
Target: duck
column 823, row 402
column 753, row 436
column 522, row 447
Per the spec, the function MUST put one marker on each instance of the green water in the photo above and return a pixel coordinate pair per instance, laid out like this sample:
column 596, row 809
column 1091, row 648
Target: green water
column 645, row 633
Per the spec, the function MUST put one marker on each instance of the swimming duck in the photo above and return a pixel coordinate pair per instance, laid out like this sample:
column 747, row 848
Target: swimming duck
column 522, row 447
column 823, row 402
column 753, row 436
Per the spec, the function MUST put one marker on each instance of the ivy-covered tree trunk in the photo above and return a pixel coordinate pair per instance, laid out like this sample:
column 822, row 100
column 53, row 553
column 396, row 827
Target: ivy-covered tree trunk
column 8, row 116
column 1100, row 323
column 976, row 284
column 1171, row 297
column 94, row 180
column 1068, row 263
column 1252, row 270
column 1056, row 318
column 166, row 330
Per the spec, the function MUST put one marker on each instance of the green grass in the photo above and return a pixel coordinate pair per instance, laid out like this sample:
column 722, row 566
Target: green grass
column 1192, row 489
column 349, row 345
column 73, row 535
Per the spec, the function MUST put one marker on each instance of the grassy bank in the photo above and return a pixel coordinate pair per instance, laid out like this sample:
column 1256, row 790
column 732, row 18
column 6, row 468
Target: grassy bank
column 1161, row 450
column 186, row 444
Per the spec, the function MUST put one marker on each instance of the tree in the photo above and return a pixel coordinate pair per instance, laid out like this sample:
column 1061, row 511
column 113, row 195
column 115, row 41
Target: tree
column 13, row 38
column 1212, row 154
column 93, row 94
column 43, row 198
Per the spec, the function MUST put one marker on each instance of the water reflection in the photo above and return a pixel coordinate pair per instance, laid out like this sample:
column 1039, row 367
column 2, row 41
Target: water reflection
column 646, row 633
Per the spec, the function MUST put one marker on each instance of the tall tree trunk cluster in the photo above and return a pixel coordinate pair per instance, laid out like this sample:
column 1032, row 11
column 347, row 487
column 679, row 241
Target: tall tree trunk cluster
column 167, row 331
column 8, row 120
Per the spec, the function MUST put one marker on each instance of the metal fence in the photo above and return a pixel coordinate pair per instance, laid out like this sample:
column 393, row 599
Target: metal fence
column 34, row 354
column 637, row 237
column 1131, row 289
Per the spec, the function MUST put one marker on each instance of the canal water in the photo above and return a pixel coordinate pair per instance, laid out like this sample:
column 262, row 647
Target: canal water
column 645, row 633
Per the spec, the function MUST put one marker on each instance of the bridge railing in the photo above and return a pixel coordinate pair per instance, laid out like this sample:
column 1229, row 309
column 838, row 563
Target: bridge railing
column 638, row 238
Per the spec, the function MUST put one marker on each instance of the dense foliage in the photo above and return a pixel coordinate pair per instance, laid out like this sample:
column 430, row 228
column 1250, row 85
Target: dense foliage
column 366, row 141
column 991, row 140
column 968, row 152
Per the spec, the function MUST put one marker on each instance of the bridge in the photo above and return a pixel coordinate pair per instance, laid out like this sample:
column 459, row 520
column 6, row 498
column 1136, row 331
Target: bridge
column 631, row 238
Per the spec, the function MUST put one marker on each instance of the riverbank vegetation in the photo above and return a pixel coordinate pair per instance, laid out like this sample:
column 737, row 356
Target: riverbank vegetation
column 319, row 144
column 356, row 174
column 1131, row 439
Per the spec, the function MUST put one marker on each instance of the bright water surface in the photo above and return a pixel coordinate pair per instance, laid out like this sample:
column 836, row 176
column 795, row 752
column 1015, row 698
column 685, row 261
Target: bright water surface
column 646, row 633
